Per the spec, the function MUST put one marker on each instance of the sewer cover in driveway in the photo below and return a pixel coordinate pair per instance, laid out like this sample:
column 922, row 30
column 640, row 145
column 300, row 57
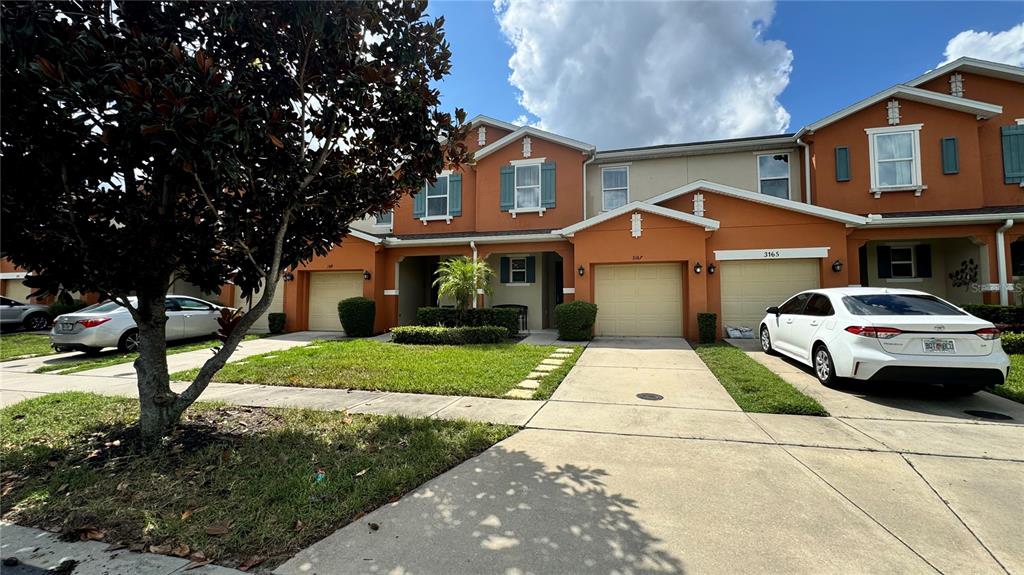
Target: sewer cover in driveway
column 650, row 396
column 987, row 414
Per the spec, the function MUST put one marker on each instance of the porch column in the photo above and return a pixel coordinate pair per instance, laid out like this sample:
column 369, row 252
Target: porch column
column 852, row 262
column 569, row 274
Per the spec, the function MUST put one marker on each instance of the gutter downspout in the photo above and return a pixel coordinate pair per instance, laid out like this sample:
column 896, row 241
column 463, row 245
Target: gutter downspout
column 1004, row 297
column 585, row 163
column 807, row 169
column 476, row 296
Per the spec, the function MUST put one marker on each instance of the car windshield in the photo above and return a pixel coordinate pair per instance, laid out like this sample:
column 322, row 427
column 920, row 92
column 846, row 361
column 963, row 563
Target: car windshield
column 104, row 307
column 898, row 304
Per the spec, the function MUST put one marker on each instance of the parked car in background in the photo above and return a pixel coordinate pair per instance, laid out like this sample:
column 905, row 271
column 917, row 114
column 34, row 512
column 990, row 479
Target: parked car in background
column 108, row 324
column 27, row 315
column 886, row 335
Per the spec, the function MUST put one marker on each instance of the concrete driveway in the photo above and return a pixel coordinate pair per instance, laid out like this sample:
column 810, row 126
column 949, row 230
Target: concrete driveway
column 602, row 481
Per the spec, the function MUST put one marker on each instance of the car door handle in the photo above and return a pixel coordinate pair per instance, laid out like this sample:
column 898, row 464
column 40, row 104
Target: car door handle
column 789, row 321
column 814, row 323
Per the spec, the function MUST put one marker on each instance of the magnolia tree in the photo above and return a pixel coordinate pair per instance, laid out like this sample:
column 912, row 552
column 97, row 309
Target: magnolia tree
column 209, row 142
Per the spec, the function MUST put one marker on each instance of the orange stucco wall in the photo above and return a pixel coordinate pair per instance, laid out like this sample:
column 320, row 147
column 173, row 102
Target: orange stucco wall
column 353, row 254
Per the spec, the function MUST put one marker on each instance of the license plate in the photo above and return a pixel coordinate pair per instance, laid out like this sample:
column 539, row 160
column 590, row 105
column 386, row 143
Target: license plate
column 939, row 346
column 65, row 327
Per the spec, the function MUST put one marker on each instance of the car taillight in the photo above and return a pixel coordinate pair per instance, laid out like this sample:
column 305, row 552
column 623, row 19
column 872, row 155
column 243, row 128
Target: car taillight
column 988, row 333
column 872, row 331
column 87, row 323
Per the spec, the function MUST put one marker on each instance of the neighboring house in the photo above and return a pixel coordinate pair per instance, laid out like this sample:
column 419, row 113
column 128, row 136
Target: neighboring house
column 12, row 284
column 918, row 186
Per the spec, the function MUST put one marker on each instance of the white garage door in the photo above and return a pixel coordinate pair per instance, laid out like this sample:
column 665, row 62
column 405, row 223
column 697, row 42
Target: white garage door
column 750, row 286
column 639, row 299
column 276, row 306
column 16, row 290
column 326, row 289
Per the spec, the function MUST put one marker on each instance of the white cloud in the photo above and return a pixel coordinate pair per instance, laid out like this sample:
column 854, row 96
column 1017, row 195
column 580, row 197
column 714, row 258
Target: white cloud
column 620, row 74
column 1005, row 47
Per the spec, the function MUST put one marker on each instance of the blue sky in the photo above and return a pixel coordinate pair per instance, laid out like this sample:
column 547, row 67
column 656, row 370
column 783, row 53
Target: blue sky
column 839, row 52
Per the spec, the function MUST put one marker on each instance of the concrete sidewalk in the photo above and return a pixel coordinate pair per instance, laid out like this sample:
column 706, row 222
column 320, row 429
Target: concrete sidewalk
column 17, row 386
column 602, row 481
column 41, row 552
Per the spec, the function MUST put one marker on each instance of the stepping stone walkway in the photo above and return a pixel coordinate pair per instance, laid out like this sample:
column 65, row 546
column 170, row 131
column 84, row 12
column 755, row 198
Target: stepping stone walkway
column 526, row 388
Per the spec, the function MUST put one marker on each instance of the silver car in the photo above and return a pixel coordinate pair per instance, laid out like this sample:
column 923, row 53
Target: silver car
column 28, row 315
column 108, row 324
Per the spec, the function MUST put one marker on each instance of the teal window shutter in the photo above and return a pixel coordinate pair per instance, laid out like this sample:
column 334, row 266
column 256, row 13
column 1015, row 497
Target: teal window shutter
column 419, row 202
column 508, row 188
column 842, row 164
column 505, row 270
column 455, row 195
column 1013, row 154
column 531, row 269
column 950, row 156
column 547, row 185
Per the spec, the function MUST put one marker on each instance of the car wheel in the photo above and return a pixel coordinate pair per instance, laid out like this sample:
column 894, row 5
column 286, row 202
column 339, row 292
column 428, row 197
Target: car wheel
column 824, row 369
column 129, row 342
column 766, row 341
column 37, row 321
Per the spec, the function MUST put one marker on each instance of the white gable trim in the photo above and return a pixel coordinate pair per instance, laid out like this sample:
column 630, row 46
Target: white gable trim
column 790, row 205
column 973, row 66
column 982, row 110
column 481, row 119
column 707, row 223
column 365, row 236
column 531, row 132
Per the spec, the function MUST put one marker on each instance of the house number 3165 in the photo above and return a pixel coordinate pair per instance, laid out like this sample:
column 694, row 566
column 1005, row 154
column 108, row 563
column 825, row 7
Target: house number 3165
column 771, row 253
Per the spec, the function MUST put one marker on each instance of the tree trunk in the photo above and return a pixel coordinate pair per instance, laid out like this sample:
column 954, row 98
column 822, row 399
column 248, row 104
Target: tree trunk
column 157, row 415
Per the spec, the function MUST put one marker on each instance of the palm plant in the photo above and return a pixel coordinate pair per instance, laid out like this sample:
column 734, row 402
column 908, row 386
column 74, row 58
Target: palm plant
column 460, row 279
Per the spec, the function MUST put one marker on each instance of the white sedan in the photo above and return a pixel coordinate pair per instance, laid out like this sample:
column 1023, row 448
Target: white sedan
column 886, row 335
column 108, row 324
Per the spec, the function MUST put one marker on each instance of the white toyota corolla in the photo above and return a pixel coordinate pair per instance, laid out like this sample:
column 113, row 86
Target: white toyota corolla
column 886, row 335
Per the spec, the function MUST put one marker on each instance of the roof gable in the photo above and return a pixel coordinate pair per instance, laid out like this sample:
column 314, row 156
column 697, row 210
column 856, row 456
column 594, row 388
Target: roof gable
column 800, row 207
column 535, row 133
column 973, row 66
column 707, row 223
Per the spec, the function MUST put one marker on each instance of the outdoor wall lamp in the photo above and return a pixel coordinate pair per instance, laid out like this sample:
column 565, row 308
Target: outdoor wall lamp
column 366, row 275
column 711, row 268
column 288, row 276
column 697, row 268
column 837, row 266
column 581, row 270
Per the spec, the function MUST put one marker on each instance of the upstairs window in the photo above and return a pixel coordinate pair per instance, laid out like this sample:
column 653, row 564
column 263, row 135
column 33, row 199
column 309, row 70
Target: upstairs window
column 383, row 219
column 614, row 187
column 437, row 198
column 895, row 157
column 527, row 187
column 773, row 175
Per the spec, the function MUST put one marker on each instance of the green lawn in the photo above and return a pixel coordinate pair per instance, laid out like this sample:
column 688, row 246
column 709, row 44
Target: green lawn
column 85, row 362
column 1014, row 386
column 754, row 387
column 480, row 370
column 16, row 345
column 234, row 483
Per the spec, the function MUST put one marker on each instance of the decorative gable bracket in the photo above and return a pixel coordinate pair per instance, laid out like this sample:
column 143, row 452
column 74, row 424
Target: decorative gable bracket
column 893, row 111
column 636, row 229
column 698, row 204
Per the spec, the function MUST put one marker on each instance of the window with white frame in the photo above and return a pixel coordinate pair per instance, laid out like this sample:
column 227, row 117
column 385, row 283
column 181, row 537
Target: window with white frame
column 895, row 157
column 901, row 261
column 773, row 175
column 517, row 270
column 527, row 187
column 614, row 187
column 437, row 198
column 383, row 219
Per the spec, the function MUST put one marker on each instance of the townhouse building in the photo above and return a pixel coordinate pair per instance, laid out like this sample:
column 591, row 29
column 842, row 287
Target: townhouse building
column 918, row 186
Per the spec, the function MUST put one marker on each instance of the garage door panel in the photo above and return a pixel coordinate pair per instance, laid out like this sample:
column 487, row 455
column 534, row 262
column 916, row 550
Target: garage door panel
column 326, row 289
column 639, row 299
column 748, row 287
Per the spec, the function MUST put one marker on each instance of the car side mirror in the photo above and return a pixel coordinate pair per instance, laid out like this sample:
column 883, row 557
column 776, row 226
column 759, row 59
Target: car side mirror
column 774, row 310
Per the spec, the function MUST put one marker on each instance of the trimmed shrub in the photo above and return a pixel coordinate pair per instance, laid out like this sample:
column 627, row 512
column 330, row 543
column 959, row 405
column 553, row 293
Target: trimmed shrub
column 357, row 315
column 56, row 308
column 275, row 321
column 707, row 327
column 436, row 335
column 1012, row 342
column 1005, row 317
column 473, row 317
column 575, row 320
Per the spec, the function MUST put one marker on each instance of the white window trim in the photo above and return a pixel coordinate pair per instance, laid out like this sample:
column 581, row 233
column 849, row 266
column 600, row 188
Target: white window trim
column 377, row 224
column 512, row 275
column 917, row 186
column 447, row 216
column 912, row 262
column 604, row 204
column 789, row 179
column 516, row 164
